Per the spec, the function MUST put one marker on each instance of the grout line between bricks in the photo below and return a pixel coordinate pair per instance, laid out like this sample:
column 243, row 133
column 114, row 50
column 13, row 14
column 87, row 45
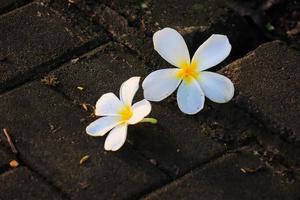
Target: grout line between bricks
column 14, row 6
column 45, row 68
column 22, row 163
column 200, row 166
column 45, row 179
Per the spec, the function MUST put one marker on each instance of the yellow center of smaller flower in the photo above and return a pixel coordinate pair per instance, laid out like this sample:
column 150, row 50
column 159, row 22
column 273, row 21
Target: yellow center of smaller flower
column 126, row 113
column 188, row 71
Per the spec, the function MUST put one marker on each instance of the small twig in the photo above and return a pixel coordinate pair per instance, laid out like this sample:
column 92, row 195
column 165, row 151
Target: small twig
column 10, row 142
column 247, row 170
column 84, row 159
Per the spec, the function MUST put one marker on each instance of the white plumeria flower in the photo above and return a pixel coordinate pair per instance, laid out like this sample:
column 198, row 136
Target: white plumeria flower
column 194, row 83
column 117, row 114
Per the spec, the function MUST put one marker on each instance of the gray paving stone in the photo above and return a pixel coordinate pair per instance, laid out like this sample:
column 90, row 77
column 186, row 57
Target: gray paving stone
column 50, row 136
column 4, row 158
column 35, row 38
column 177, row 144
column 137, row 21
column 22, row 184
column 267, row 84
column 224, row 179
column 7, row 5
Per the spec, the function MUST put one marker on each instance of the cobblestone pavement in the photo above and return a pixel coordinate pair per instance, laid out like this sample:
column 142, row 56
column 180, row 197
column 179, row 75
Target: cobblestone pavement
column 57, row 55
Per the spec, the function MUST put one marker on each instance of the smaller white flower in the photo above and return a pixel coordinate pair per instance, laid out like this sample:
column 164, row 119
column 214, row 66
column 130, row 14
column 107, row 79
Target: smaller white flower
column 194, row 83
column 116, row 114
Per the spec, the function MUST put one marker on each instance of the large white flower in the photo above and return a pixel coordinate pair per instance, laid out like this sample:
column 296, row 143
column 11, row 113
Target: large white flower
column 194, row 83
column 117, row 114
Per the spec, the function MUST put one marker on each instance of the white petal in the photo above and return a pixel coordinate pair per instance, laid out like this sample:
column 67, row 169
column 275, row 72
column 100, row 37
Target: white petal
column 190, row 97
column 108, row 104
column 102, row 125
column 216, row 87
column 140, row 110
column 160, row 84
column 128, row 90
column 171, row 46
column 116, row 138
column 213, row 51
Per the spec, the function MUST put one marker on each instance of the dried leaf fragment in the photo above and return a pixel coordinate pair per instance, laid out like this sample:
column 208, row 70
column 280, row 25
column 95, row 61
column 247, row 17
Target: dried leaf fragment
column 83, row 159
column 50, row 80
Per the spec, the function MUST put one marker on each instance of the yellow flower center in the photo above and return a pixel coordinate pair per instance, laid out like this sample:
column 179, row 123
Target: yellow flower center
column 188, row 71
column 126, row 113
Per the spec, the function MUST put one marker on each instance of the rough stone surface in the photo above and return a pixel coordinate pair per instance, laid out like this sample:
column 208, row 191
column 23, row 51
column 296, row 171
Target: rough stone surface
column 7, row 5
column 100, row 71
column 176, row 144
column 223, row 152
column 51, row 139
column 4, row 159
column 267, row 84
column 22, row 184
column 234, row 176
column 137, row 21
column 33, row 39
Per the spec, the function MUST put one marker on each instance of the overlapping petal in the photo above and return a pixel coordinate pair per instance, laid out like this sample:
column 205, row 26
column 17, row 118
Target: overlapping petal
column 190, row 97
column 116, row 138
column 140, row 110
column 160, row 84
column 213, row 51
column 216, row 87
column 171, row 46
column 128, row 90
column 108, row 104
column 102, row 125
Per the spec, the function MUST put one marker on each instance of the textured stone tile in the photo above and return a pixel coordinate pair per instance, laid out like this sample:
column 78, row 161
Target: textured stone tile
column 177, row 144
column 267, row 84
column 50, row 136
column 234, row 176
column 134, row 22
column 7, row 5
column 23, row 184
column 34, row 38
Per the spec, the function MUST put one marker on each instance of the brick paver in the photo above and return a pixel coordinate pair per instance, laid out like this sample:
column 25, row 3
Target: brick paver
column 165, row 143
column 23, row 184
column 133, row 23
column 227, row 151
column 234, row 176
column 4, row 159
column 35, row 38
column 267, row 83
column 7, row 5
column 51, row 139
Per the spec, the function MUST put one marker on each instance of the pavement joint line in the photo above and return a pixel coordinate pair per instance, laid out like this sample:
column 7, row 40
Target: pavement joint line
column 14, row 6
column 114, row 39
column 45, row 179
column 256, row 122
column 54, row 64
column 259, row 123
column 200, row 166
column 22, row 163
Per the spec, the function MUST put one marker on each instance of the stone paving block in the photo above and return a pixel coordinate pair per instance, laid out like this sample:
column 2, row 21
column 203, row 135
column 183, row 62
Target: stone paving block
column 23, row 184
column 137, row 21
column 7, row 5
column 98, row 72
column 231, row 125
column 35, row 38
column 178, row 143
column 267, row 85
column 4, row 159
column 232, row 177
column 49, row 133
